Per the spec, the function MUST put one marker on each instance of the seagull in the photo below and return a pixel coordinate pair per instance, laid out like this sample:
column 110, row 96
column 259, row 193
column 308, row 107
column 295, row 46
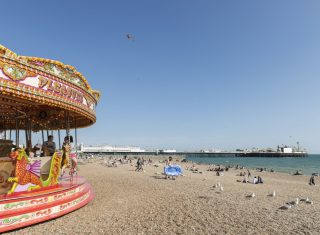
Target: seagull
column 129, row 36
column 252, row 195
column 294, row 203
column 273, row 194
column 310, row 202
column 286, row 207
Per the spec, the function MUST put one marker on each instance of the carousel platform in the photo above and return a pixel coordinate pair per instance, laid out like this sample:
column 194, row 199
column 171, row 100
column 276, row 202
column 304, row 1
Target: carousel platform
column 26, row 208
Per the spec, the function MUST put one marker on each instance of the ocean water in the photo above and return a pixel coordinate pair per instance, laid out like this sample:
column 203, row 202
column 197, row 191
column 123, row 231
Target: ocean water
column 308, row 165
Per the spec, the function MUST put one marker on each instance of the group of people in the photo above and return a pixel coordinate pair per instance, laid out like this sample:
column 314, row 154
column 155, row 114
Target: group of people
column 49, row 148
column 218, row 169
column 246, row 173
column 141, row 162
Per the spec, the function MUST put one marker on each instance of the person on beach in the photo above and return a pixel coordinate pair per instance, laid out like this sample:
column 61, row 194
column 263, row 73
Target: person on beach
column 255, row 180
column 260, row 181
column 311, row 180
column 298, row 172
column 139, row 165
column 168, row 164
column 249, row 173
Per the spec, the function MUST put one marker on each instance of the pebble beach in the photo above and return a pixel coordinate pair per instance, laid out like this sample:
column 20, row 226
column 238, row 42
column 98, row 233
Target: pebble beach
column 130, row 202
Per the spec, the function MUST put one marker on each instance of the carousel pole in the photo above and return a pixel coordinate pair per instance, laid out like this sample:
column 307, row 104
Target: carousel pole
column 59, row 138
column 67, row 125
column 4, row 130
column 17, row 134
column 26, row 132
column 30, row 132
column 75, row 135
column 42, row 136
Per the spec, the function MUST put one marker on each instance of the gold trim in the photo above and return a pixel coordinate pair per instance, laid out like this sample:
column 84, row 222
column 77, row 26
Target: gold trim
column 54, row 68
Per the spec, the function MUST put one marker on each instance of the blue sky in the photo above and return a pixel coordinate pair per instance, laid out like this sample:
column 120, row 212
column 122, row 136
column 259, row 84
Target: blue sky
column 198, row 75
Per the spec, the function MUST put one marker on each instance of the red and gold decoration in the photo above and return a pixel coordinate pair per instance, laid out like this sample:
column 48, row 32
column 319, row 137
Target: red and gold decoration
column 40, row 85
column 40, row 94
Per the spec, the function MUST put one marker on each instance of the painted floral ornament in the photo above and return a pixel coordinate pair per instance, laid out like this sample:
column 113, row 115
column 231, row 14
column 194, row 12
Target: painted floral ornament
column 15, row 73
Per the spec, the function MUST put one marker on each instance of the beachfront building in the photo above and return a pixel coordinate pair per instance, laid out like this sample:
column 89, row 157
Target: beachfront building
column 168, row 151
column 110, row 149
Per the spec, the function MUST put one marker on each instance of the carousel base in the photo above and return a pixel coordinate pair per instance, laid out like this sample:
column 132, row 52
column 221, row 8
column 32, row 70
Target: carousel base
column 26, row 208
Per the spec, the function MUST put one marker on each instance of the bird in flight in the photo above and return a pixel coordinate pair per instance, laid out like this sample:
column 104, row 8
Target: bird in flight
column 129, row 36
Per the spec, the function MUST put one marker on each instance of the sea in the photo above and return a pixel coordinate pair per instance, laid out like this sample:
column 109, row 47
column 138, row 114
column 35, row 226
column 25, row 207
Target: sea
column 307, row 165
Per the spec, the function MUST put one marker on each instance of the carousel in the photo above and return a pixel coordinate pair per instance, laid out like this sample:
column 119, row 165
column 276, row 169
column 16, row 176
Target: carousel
column 44, row 98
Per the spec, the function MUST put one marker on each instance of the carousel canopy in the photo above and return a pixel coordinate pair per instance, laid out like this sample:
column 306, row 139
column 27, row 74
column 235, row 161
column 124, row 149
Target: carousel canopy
column 43, row 94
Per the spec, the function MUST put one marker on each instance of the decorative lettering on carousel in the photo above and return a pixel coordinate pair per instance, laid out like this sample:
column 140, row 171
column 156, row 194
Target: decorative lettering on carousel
column 59, row 88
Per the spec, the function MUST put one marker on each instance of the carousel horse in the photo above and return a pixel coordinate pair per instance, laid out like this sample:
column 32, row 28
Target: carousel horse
column 66, row 148
column 29, row 173
column 69, row 160
column 74, row 165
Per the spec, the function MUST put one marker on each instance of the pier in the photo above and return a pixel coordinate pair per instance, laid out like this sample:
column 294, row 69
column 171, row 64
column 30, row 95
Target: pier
column 200, row 154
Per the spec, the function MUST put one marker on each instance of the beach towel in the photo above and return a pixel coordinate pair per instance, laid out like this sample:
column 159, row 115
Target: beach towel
column 173, row 170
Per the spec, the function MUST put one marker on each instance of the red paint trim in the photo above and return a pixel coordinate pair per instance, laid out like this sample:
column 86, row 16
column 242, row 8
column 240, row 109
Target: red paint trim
column 63, row 186
column 13, row 196
column 33, row 208
column 83, row 203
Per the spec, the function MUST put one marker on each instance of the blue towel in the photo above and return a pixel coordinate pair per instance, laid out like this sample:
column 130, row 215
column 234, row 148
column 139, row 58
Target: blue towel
column 173, row 170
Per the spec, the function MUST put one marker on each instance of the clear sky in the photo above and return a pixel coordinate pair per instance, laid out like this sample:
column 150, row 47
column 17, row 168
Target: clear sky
column 198, row 75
